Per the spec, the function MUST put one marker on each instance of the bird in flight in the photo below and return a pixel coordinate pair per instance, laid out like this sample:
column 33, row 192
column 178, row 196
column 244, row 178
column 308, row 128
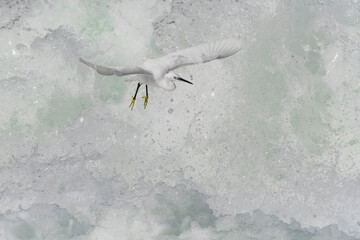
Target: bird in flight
column 158, row 72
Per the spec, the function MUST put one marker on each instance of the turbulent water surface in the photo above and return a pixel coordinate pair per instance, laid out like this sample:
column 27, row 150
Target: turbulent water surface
column 264, row 145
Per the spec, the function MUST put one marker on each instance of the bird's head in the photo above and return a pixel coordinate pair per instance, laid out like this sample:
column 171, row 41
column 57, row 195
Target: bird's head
column 171, row 76
column 168, row 81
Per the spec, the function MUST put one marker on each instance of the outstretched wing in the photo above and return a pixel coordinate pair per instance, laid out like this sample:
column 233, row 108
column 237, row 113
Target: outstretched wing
column 123, row 71
column 200, row 54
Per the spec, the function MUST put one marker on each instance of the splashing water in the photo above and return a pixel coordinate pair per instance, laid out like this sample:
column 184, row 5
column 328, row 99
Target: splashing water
column 273, row 153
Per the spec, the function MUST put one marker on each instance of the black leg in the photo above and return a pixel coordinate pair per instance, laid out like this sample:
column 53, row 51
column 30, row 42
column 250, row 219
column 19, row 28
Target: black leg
column 137, row 89
column 146, row 98
column 134, row 97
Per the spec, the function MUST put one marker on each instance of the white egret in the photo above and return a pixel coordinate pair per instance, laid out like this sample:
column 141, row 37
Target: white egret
column 158, row 72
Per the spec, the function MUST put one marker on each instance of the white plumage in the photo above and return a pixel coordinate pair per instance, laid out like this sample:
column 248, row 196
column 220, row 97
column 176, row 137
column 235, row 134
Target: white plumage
column 158, row 72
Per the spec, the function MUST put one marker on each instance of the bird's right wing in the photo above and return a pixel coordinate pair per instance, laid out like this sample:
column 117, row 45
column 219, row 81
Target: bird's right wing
column 123, row 71
column 200, row 54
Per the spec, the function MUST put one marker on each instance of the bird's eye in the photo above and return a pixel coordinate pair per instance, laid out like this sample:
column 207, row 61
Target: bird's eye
column 174, row 77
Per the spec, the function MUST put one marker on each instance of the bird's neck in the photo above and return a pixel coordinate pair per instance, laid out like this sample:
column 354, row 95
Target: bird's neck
column 166, row 84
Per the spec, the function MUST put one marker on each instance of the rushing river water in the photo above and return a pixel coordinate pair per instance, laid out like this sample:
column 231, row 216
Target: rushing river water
column 264, row 145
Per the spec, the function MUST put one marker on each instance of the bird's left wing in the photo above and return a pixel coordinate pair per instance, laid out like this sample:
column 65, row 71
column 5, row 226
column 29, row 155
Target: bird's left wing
column 122, row 71
column 200, row 54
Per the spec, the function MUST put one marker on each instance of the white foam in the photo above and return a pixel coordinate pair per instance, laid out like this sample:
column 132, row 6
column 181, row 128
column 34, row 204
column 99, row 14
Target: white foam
column 280, row 135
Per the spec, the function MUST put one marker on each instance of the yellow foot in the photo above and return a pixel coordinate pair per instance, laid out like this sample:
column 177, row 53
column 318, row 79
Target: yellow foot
column 132, row 103
column 146, row 101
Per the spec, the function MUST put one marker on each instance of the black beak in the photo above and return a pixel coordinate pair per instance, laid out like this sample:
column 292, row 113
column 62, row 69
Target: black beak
column 181, row 79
